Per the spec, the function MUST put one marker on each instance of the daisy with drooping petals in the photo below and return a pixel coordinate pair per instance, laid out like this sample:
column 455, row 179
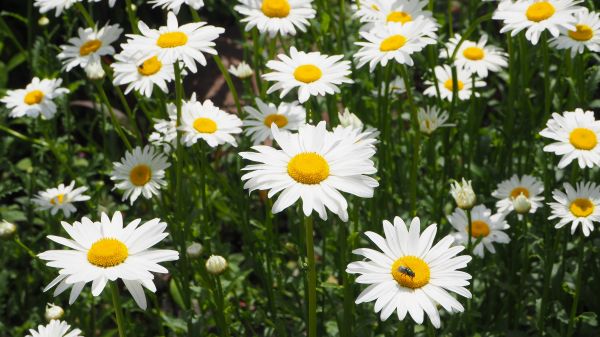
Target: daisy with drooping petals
column 242, row 71
column 585, row 35
column 445, row 84
column 314, row 165
column 314, row 74
column 287, row 116
column 476, row 57
column 172, row 43
column 205, row 121
column 577, row 134
column 86, row 49
column 54, row 329
column 510, row 189
column 393, row 11
column 580, row 205
column 165, row 134
column 175, row 5
column 141, row 76
column 536, row 16
column 351, row 127
column 432, row 118
column 36, row 99
column 140, row 172
column 106, row 251
column 60, row 198
column 411, row 274
column 276, row 16
column 58, row 5
column 394, row 42
column 485, row 226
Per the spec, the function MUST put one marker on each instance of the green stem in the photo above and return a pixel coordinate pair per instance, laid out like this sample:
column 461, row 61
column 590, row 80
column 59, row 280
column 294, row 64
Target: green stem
column 86, row 16
column 117, row 306
column 311, row 291
column 25, row 248
column 230, row 85
column 132, row 17
column 572, row 320
column 114, row 120
column 220, row 303
column 416, row 142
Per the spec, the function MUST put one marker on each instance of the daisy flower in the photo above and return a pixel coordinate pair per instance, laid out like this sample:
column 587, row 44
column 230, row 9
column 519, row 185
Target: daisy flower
column 172, row 43
column 111, row 3
column 140, row 172
column 242, row 70
column 392, row 11
column 476, row 57
column 165, row 134
column 36, row 99
column 175, row 5
column 411, row 274
column 276, row 16
column 445, row 84
column 585, row 35
column 207, row 122
column 394, row 42
column 58, row 5
column 54, row 329
column 508, row 190
column 60, row 198
column 287, row 116
column 485, row 226
column 141, row 76
column 314, row 74
column 578, row 206
column 536, row 16
column 313, row 165
column 432, row 118
column 351, row 127
column 91, row 43
column 106, row 251
column 576, row 134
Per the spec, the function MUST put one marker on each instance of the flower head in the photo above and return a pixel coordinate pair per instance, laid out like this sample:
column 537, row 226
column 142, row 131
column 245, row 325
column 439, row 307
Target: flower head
column 242, row 70
column 53, row 312
column 577, row 206
column 86, row 49
column 476, row 57
column 274, row 17
column 507, row 191
column 60, row 198
column 287, row 116
column 485, row 227
column 36, row 99
column 175, row 5
column 463, row 194
column 432, row 118
column 586, row 34
column 216, row 264
column 445, row 83
column 54, row 329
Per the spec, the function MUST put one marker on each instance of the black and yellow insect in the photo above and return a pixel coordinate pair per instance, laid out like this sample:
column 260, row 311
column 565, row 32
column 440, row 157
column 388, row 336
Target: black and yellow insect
column 406, row 271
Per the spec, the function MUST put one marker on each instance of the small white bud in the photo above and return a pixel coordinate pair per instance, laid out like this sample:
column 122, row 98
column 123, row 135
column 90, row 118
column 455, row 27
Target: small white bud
column 463, row 194
column 133, row 7
column 242, row 71
column 521, row 204
column 94, row 71
column 349, row 119
column 194, row 250
column 43, row 21
column 53, row 312
column 216, row 264
column 7, row 229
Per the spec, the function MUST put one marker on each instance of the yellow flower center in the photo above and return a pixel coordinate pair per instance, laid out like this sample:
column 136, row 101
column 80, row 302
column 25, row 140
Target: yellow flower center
column 308, row 168
column 517, row 191
column 581, row 207
column 89, row 47
column 581, row 33
column 107, row 252
column 205, row 125
column 279, row 120
column 33, row 97
column 479, row 229
column 473, row 53
column 59, row 199
column 140, row 175
column 540, row 11
column 448, row 85
column 411, row 272
column 401, row 17
column 171, row 40
column 393, row 42
column 275, row 8
column 150, row 67
column 583, row 139
column 307, row 73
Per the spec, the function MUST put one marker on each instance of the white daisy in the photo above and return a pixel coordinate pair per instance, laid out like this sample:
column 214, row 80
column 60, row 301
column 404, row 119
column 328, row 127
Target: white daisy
column 142, row 75
column 242, row 70
column 392, row 11
column 106, row 251
column 367, row 10
column 576, row 134
column 432, row 118
column 577, row 206
column 36, row 99
column 175, row 5
column 91, row 43
column 165, row 134
column 111, row 3
column 60, row 198
column 314, row 165
column 287, row 116
column 172, row 43
column 205, row 121
column 54, row 329
column 510, row 189
column 276, row 16
column 476, row 57
column 536, row 16
column 444, row 82
column 140, row 172
column 58, row 5
column 313, row 73
column 394, row 41
column 484, row 226
column 351, row 127
column 410, row 274
column 585, row 35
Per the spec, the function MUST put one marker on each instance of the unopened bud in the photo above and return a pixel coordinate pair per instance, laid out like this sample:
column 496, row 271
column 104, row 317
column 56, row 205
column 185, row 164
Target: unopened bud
column 194, row 250
column 349, row 119
column 53, row 312
column 521, row 204
column 7, row 229
column 43, row 21
column 94, row 71
column 216, row 264
column 463, row 194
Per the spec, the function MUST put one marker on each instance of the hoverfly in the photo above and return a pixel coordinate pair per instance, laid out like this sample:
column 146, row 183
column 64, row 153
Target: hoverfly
column 406, row 271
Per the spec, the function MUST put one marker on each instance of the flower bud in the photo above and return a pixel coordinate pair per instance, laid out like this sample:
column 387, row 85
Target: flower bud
column 43, row 21
column 242, row 71
column 463, row 194
column 53, row 312
column 521, row 204
column 94, row 71
column 7, row 229
column 349, row 119
column 194, row 250
column 216, row 264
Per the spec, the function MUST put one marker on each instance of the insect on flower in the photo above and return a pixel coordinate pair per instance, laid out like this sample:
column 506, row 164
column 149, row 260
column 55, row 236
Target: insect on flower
column 406, row 271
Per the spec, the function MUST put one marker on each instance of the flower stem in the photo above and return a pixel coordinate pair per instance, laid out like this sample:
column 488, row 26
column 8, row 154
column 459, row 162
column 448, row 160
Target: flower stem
column 115, row 122
column 311, row 291
column 572, row 320
column 220, row 303
column 230, row 85
column 118, row 310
